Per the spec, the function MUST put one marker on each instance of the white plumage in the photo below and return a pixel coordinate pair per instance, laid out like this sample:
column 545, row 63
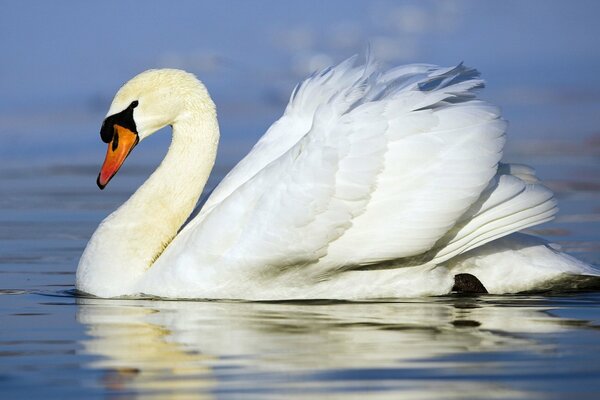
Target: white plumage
column 370, row 185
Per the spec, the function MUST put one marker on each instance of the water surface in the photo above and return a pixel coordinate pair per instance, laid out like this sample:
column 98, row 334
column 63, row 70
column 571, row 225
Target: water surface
column 54, row 344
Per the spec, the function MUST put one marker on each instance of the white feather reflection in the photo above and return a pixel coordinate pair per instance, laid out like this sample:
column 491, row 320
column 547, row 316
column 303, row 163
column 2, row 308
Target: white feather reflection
column 195, row 349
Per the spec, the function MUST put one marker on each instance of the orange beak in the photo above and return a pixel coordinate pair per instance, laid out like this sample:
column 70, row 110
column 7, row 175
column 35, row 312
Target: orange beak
column 119, row 148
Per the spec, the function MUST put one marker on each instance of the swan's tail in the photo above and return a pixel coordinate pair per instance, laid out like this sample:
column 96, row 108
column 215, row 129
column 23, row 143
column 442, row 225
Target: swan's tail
column 522, row 263
column 484, row 242
column 514, row 200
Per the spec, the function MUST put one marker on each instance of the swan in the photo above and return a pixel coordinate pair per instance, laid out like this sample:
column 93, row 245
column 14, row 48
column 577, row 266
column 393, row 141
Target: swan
column 373, row 184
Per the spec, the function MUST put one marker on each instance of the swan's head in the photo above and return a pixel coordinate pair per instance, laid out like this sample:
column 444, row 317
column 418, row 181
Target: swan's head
column 148, row 102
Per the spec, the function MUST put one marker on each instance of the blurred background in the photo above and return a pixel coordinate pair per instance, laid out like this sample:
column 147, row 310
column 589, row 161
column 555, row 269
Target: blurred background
column 62, row 62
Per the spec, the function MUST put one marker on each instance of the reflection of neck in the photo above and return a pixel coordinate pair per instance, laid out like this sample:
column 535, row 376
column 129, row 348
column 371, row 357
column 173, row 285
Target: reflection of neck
column 129, row 240
column 133, row 368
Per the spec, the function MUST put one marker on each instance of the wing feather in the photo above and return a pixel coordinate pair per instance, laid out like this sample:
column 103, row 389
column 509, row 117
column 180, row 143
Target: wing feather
column 363, row 167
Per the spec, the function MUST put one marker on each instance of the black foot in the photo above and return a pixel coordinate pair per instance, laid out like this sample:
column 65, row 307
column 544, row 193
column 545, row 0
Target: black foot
column 467, row 283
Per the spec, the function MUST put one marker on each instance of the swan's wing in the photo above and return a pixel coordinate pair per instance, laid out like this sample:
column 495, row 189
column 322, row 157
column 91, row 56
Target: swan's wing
column 439, row 159
column 388, row 164
column 514, row 200
column 293, row 125
column 297, row 120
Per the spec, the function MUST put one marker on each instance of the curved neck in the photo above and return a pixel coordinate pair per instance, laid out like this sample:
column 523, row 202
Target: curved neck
column 129, row 240
column 163, row 203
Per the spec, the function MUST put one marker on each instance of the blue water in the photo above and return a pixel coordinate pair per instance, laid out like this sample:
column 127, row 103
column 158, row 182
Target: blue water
column 62, row 62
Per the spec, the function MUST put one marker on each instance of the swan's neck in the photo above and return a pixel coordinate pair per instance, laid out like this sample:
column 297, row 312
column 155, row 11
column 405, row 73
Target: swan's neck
column 129, row 240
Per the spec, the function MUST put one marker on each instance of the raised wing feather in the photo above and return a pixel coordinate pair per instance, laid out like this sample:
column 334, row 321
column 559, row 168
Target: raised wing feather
column 289, row 212
column 295, row 123
column 513, row 200
column 363, row 167
column 443, row 149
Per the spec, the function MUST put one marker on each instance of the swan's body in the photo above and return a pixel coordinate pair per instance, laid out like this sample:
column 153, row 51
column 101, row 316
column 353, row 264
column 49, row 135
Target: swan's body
column 371, row 185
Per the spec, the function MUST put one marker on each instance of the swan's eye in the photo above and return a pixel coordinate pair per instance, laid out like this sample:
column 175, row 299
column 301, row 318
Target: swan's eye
column 134, row 104
column 115, row 141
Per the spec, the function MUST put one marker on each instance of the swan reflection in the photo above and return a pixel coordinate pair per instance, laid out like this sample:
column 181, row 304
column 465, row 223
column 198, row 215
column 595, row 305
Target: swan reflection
column 199, row 349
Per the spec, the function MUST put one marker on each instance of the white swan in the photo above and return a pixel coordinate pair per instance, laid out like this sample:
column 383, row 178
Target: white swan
column 371, row 185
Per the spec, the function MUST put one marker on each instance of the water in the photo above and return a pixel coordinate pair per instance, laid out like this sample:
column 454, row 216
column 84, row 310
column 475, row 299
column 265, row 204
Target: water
column 64, row 62
column 54, row 344
column 492, row 347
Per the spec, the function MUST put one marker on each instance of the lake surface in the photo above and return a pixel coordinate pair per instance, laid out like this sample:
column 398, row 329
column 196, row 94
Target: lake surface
column 56, row 345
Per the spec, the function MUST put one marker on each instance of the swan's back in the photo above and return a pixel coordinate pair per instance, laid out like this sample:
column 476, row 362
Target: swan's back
column 364, row 167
